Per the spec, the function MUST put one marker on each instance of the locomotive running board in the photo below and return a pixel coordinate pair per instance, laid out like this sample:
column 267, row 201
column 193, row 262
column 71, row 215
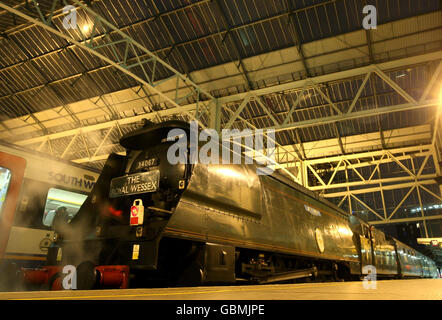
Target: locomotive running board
column 305, row 273
column 160, row 210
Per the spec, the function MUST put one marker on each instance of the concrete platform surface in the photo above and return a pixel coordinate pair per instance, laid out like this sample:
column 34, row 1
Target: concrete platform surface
column 422, row 289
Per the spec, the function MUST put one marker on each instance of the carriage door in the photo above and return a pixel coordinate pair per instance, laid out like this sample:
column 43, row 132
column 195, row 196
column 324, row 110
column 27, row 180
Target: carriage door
column 366, row 248
column 11, row 176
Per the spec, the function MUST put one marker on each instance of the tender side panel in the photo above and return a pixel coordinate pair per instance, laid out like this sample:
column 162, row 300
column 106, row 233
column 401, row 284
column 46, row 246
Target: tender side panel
column 306, row 224
column 232, row 205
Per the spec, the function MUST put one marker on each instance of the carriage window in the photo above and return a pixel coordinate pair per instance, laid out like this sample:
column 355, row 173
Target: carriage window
column 62, row 202
column 5, row 179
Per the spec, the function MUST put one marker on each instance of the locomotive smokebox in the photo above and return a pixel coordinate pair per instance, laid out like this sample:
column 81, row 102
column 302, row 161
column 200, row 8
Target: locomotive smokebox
column 121, row 223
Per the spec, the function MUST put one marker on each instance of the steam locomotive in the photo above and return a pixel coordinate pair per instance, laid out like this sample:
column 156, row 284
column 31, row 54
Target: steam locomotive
column 148, row 221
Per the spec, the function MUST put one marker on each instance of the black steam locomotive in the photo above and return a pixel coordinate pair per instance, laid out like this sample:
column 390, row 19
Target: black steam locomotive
column 147, row 220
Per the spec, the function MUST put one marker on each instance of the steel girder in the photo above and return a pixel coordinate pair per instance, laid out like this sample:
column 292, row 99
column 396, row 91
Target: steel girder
column 130, row 57
column 367, row 179
column 243, row 98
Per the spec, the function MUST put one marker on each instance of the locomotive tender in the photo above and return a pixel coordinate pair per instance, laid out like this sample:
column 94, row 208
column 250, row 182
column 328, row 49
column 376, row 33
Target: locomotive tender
column 189, row 224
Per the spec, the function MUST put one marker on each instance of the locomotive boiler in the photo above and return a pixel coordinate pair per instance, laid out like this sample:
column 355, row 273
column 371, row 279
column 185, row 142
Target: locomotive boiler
column 148, row 221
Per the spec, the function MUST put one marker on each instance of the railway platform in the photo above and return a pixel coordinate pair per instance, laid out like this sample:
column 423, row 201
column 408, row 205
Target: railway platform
column 410, row 289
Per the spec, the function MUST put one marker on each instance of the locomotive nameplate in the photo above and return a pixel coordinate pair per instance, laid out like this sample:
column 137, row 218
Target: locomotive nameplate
column 135, row 184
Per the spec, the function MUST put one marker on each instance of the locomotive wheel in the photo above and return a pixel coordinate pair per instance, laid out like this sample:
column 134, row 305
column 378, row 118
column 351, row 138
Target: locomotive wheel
column 192, row 276
column 52, row 280
column 87, row 276
column 12, row 281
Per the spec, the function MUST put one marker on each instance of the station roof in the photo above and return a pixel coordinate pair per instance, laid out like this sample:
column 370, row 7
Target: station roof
column 228, row 47
column 263, row 60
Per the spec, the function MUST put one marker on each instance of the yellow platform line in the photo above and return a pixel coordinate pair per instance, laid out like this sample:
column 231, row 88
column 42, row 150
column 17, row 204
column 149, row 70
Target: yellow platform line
column 183, row 293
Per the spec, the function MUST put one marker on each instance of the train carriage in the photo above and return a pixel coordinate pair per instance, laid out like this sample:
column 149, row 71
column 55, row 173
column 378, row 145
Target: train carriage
column 410, row 261
column 384, row 253
column 39, row 184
